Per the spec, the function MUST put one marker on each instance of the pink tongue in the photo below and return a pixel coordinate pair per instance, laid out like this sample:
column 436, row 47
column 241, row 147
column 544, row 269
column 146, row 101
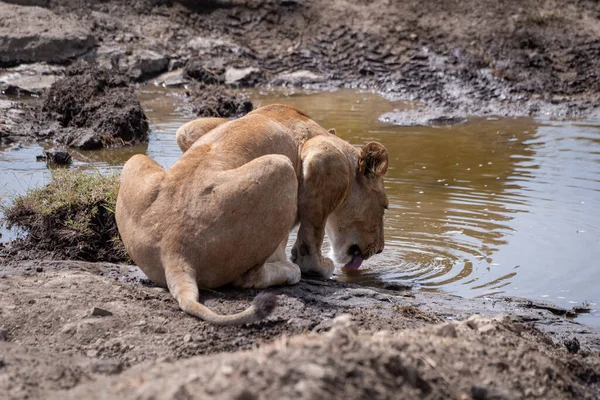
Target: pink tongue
column 355, row 263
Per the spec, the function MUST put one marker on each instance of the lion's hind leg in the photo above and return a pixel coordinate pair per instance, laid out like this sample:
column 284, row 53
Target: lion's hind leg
column 188, row 133
column 276, row 271
column 270, row 274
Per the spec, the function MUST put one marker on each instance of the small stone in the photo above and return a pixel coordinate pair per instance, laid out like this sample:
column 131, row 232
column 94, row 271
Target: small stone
column 146, row 64
column 92, row 353
column 3, row 335
column 39, row 269
column 491, row 393
column 300, row 323
column 172, row 79
column 243, row 76
column 57, row 156
column 572, row 345
column 187, row 338
column 100, row 312
column 447, row 330
column 298, row 78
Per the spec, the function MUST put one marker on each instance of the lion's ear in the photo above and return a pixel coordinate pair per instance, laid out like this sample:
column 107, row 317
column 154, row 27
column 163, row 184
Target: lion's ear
column 373, row 161
column 332, row 131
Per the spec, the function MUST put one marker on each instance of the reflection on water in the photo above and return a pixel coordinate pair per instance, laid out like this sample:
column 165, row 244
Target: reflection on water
column 492, row 206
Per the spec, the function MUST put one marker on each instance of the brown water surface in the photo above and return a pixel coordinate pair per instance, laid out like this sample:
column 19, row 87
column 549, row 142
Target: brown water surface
column 492, row 206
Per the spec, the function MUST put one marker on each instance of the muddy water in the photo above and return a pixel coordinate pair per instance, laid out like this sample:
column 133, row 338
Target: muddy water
column 491, row 206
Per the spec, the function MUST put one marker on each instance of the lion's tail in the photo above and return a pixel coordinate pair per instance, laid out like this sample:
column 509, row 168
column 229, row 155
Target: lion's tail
column 261, row 307
column 185, row 290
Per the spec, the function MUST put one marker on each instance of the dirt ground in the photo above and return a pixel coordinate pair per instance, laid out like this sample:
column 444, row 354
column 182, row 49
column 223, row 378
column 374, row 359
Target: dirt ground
column 99, row 330
column 72, row 329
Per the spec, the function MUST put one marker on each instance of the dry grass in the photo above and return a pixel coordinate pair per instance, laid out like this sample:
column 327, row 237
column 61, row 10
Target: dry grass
column 73, row 216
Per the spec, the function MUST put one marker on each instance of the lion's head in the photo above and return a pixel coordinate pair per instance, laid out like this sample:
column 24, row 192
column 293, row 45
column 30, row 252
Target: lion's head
column 355, row 227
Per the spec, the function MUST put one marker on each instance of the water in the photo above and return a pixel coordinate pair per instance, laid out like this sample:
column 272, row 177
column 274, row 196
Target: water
column 491, row 206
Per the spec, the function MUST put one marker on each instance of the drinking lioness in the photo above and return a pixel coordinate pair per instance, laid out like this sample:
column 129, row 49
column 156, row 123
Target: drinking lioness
column 223, row 212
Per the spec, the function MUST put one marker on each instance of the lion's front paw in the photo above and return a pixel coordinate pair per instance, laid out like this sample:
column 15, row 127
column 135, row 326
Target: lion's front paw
column 326, row 268
column 293, row 277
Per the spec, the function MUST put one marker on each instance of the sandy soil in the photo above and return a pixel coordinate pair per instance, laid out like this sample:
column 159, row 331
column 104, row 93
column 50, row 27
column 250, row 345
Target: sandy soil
column 100, row 330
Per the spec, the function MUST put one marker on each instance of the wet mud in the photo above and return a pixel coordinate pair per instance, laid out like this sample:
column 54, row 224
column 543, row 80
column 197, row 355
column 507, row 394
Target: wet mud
column 215, row 101
column 88, row 108
column 469, row 58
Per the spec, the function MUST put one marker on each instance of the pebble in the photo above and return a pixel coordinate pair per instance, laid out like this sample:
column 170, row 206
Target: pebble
column 100, row 312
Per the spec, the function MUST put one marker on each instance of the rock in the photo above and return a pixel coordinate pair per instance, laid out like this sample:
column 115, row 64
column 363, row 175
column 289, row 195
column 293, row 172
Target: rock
column 33, row 34
column 37, row 3
column 300, row 324
column 171, row 79
column 447, row 330
column 572, row 345
column 187, row 338
column 100, row 312
column 207, row 73
column 343, row 321
column 108, row 57
column 83, row 139
column 491, row 393
column 17, row 122
column 446, row 120
column 12, row 90
column 29, row 79
column 146, row 64
column 298, row 78
column 137, row 64
column 92, row 353
column 246, row 77
column 57, row 156
column 201, row 43
column 424, row 117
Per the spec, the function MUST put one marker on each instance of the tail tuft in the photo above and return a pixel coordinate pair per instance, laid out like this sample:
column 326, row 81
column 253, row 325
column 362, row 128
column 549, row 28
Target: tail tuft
column 264, row 304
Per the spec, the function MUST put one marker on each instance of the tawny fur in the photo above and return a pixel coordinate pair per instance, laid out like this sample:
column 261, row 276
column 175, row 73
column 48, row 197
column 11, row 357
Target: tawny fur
column 222, row 213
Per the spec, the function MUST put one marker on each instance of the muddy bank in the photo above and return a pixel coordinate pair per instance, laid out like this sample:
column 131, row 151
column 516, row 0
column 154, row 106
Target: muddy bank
column 94, row 108
column 68, row 324
column 215, row 101
column 475, row 58
column 87, row 108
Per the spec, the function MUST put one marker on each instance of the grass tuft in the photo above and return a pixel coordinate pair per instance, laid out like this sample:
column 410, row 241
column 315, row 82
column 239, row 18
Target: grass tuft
column 73, row 216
